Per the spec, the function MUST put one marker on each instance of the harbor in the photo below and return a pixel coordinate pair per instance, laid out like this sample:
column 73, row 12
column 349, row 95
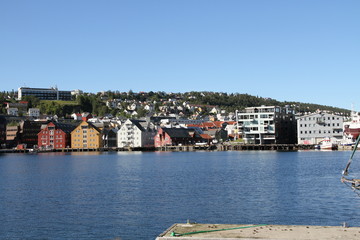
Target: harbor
column 82, row 195
column 197, row 231
column 177, row 148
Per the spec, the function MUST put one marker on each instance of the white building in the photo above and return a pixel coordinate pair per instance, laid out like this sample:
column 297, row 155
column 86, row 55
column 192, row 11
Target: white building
column 267, row 125
column 34, row 112
column 313, row 128
column 136, row 133
column 13, row 111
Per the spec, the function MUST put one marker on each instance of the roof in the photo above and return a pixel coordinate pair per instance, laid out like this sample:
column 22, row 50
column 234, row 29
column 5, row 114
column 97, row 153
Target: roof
column 206, row 136
column 178, row 132
column 66, row 127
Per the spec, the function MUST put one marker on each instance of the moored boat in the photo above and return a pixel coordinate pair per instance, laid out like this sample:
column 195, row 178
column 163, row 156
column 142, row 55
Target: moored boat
column 327, row 144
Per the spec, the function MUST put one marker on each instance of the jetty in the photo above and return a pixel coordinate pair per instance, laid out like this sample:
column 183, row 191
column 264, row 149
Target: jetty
column 195, row 231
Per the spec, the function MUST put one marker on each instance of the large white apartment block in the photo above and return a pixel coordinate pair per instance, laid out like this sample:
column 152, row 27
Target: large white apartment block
column 267, row 125
column 315, row 127
column 136, row 133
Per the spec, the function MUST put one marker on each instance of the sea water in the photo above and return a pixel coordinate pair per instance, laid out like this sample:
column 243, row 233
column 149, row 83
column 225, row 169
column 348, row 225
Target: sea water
column 138, row 195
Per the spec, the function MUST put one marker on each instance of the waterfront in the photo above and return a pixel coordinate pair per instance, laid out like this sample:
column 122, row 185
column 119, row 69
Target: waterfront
column 135, row 195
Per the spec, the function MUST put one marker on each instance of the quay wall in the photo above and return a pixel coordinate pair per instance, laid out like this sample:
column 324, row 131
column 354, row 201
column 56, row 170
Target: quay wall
column 217, row 147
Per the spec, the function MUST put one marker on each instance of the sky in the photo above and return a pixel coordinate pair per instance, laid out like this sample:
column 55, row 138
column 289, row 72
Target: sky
column 289, row 50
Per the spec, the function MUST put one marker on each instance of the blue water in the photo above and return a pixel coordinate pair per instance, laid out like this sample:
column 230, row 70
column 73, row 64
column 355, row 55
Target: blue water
column 139, row 195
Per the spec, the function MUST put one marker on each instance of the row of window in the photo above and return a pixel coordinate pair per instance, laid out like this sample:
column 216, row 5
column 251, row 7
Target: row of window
column 51, row 141
column 318, row 118
column 316, row 125
column 90, row 145
column 52, row 132
column 319, row 132
column 82, row 140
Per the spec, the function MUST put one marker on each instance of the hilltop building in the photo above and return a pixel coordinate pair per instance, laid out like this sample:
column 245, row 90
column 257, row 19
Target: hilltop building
column 44, row 93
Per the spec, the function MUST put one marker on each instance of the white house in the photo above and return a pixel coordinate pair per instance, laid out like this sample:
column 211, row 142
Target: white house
column 76, row 116
column 13, row 111
column 313, row 128
column 136, row 133
column 34, row 112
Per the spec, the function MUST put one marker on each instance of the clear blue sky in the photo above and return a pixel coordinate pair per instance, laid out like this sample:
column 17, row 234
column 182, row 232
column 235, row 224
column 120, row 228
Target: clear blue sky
column 289, row 50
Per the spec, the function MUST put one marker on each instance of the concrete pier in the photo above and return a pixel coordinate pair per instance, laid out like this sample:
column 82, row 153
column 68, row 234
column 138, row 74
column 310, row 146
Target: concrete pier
column 196, row 231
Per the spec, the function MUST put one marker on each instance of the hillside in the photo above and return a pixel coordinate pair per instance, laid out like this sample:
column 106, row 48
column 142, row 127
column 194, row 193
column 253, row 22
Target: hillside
column 96, row 103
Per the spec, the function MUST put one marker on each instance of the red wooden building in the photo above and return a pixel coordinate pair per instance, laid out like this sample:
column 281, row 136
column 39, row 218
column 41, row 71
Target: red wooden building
column 55, row 136
column 178, row 136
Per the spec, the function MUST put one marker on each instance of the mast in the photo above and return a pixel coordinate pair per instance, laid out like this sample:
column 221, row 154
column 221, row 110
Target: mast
column 346, row 170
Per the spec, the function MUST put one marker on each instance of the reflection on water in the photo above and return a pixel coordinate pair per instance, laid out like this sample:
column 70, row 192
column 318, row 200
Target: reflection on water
column 137, row 195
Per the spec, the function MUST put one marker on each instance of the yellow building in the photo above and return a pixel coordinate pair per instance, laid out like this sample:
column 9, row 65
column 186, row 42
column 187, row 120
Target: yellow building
column 86, row 135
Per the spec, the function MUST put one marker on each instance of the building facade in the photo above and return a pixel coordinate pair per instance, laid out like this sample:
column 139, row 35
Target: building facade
column 179, row 136
column 44, row 93
column 3, row 123
column 34, row 112
column 12, row 135
column 55, row 136
column 267, row 125
column 29, row 132
column 86, row 136
column 136, row 133
column 13, row 111
column 315, row 127
column 109, row 137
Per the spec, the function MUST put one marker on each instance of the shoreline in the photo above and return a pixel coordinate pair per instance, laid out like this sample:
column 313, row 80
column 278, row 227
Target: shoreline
column 262, row 231
column 187, row 148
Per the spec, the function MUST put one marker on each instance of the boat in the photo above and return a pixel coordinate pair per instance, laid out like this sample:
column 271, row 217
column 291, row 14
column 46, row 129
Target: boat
column 327, row 144
column 354, row 183
column 352, row 128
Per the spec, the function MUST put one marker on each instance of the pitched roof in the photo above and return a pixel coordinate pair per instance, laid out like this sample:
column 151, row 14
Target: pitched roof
column 178, row 132
column 206, row 136
column 66, row 127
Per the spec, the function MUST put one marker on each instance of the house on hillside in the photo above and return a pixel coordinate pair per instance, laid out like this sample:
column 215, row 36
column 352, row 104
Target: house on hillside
column 34, row 112
column 86, row 116
column 86, row 135
column 76, row 116
column 13, row 111
column 55, row 135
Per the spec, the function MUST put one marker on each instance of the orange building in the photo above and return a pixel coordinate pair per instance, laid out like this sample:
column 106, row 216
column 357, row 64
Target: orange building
column 86, row 135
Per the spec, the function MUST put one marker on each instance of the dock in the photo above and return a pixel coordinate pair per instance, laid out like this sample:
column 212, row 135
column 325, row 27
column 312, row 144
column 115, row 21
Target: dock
column 195, row 231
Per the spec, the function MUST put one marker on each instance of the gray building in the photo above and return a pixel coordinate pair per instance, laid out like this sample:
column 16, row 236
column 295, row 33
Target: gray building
column 315, row 127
